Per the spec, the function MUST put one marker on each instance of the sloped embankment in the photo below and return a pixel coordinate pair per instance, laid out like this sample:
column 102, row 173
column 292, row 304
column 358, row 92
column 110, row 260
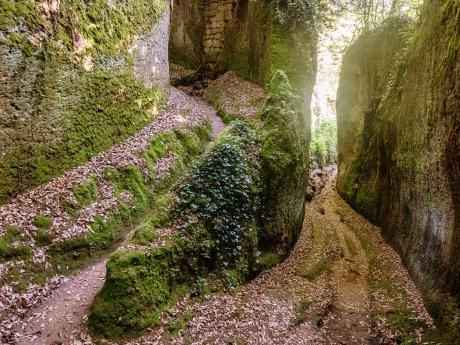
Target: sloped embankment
column 213, row 236
column 73, row 219
column 399, row 161
column 77, row 78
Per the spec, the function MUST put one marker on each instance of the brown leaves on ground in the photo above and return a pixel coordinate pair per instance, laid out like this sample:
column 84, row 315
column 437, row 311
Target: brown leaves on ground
column 47, row 199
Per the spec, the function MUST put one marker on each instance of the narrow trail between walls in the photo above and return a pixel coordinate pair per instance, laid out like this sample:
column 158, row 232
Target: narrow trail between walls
column 60, row 318
column 328, row 291
column 321, row 294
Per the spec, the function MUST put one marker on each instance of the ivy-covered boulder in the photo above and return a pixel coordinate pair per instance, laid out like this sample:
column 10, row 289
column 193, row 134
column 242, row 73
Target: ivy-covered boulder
column 211, row 226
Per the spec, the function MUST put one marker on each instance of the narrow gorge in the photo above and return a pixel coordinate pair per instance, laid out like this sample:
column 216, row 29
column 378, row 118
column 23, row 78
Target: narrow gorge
column 229, row 172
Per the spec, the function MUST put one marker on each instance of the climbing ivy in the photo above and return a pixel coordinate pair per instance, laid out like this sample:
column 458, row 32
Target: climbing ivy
column 219, row 193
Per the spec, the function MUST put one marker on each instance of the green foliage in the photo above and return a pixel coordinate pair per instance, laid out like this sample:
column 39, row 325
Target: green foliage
column 323, row 146
column 11, row 248
column 43, row 222
column 219, row 193
column 138, row 288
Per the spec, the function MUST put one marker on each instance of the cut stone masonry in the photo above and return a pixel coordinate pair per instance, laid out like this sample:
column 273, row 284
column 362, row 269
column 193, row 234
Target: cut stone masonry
column 218, row 13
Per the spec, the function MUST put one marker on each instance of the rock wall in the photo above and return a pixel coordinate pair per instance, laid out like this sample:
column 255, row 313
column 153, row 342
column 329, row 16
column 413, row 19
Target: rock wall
column 217, row 14
column 186, row 35
column 151, row 58
column 71, row 85
column 399, row 136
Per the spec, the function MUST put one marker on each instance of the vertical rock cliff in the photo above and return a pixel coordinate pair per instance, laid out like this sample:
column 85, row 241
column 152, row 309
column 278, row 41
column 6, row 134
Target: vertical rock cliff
column 76, row 79
column 399, row 142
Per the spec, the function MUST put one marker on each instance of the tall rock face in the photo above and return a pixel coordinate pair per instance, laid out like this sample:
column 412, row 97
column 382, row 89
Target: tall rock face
column 399, row 140
column 186, row 34
column 76, row 79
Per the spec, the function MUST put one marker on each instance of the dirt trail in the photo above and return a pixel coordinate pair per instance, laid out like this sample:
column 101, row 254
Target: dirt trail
column 319, row 295
column 60, row 318
column 348, row 321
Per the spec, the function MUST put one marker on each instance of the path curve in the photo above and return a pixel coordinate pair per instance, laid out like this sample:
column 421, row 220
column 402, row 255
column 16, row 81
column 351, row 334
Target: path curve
column 284, row 305
column 302, row 300
column 60, row 318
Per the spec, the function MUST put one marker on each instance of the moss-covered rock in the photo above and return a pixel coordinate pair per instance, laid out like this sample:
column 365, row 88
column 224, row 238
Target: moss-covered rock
column 214, row 218
column 69, row 84
column 138, row 288
column 398, row 144
column 285, row 166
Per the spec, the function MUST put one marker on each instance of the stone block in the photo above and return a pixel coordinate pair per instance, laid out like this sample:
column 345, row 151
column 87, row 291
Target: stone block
column 220, row 16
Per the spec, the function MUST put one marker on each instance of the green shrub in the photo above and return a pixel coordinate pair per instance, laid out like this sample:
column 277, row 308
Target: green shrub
column 323, row 146
column 219, row 193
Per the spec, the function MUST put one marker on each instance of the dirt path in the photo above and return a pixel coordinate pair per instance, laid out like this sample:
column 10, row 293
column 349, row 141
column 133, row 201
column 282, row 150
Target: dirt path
column 348, row 321
column 60, row 318
column 321, row 294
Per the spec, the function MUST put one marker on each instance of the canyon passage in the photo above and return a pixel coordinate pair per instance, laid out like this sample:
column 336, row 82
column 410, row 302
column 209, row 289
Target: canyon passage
column 230, row 172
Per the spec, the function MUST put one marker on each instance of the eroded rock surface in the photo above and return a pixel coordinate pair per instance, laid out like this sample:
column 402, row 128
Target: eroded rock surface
column 399, row 139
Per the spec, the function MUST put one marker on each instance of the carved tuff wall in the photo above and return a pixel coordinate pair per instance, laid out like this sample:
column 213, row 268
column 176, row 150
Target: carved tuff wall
column 399, row 137
column 75, row 79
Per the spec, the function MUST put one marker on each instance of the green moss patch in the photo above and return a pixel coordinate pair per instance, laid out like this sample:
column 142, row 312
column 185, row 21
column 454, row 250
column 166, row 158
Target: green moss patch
column 284, row 164
column 138, row 285
column 86, row 193
column 11, row 247
column 75, row 113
